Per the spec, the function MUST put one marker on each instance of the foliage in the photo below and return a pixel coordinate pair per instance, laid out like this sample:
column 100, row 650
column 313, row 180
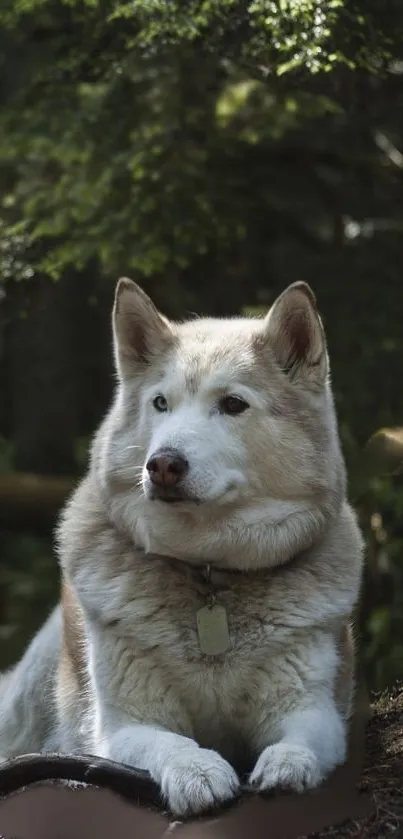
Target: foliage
column 28, row 589
column 118, row 122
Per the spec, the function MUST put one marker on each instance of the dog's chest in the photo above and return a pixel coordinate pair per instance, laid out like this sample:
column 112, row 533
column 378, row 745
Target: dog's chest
column 198, row 620
column 149, row 659
column 212, row 641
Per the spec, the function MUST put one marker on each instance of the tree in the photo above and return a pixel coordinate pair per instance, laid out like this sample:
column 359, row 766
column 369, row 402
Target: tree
column 146, row 135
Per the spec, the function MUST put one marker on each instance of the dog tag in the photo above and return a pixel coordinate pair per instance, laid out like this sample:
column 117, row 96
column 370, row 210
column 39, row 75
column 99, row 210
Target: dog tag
column 212, row 629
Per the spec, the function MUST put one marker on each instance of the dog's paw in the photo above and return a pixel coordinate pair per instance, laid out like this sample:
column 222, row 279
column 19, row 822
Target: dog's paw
column 196, row 780
column 286, row 767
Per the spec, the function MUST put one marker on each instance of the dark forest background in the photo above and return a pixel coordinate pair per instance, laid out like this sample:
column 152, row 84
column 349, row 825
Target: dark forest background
column 213, row 151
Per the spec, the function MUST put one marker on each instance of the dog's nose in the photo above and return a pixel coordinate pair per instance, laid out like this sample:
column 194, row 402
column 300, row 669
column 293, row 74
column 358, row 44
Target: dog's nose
column 166, row 468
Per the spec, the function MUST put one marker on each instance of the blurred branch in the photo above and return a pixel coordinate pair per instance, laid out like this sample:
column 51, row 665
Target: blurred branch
column 32, row 502
column 382, row 456
column 384, row 451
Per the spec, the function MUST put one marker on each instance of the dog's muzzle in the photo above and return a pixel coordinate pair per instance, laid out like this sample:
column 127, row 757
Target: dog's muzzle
column 166, row 470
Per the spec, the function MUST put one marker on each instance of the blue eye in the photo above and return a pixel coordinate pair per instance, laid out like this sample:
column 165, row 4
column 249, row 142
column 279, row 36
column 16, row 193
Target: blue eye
column 160, row 403
column 233, row 405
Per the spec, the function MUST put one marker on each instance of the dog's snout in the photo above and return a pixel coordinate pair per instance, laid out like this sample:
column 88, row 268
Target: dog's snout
column 167, row 468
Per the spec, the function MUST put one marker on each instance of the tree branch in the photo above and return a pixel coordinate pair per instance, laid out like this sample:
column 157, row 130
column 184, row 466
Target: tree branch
column 32, row 502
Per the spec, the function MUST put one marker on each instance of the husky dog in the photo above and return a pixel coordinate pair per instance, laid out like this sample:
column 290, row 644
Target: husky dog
column 210, row 565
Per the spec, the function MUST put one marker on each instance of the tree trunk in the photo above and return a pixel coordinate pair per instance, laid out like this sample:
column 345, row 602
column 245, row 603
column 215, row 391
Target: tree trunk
column 43, row 374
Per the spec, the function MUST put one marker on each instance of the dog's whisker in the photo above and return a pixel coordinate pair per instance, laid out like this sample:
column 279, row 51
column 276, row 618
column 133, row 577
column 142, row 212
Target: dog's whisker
column 130, row 470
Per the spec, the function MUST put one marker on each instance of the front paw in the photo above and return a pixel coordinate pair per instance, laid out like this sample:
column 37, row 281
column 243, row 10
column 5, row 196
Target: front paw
column 286, row 767
column 196, row 780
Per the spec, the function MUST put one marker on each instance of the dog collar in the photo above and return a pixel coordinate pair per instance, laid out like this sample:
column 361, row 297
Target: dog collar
column 212, row 624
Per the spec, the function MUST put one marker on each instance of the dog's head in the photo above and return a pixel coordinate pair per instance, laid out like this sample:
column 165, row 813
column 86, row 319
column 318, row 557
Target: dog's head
column 223, row 415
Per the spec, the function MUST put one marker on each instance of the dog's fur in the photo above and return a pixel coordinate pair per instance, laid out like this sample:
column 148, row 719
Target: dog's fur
column 117, row 670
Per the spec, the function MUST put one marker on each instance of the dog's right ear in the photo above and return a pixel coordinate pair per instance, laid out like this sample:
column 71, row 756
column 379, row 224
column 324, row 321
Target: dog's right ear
column 140, row 331
column 295, row 331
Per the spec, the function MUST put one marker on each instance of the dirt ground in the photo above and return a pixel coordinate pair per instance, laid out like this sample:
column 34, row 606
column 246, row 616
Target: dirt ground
column 382, row 776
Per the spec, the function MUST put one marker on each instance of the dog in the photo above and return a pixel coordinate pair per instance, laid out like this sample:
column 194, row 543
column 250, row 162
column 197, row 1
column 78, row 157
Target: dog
column 210, row 565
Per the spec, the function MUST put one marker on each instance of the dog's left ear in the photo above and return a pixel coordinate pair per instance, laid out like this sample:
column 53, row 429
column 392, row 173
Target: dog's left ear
column 140, row 331
column 294, row 330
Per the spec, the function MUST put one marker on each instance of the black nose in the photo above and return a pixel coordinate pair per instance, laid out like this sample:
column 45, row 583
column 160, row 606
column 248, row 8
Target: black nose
column 166, row 468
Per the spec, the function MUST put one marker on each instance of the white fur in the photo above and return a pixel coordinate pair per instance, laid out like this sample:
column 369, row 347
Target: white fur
column 265, row 494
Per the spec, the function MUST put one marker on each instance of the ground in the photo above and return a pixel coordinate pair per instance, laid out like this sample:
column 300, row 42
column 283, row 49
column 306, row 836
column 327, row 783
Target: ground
column 382, row 776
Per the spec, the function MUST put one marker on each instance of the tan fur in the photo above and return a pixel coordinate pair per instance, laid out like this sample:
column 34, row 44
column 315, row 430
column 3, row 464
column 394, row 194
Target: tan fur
column 73, row 661
column 263, row 503
column 73, row 680
column 344, row 687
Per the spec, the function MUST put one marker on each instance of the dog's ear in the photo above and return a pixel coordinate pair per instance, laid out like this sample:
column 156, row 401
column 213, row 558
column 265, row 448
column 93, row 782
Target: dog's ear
column 140, row 331
column 294, row 330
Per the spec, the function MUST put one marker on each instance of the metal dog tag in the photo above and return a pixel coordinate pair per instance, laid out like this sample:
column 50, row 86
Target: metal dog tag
column 212, row 629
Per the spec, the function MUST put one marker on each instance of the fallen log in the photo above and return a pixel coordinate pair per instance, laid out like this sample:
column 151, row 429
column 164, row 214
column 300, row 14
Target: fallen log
column 32, row 502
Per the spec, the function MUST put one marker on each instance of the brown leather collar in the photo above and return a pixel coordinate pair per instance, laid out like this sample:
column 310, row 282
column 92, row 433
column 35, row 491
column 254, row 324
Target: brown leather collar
column 213, row 575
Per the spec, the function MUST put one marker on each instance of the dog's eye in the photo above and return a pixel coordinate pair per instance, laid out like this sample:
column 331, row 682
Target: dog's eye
column 233, row 405
column 160, row 403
